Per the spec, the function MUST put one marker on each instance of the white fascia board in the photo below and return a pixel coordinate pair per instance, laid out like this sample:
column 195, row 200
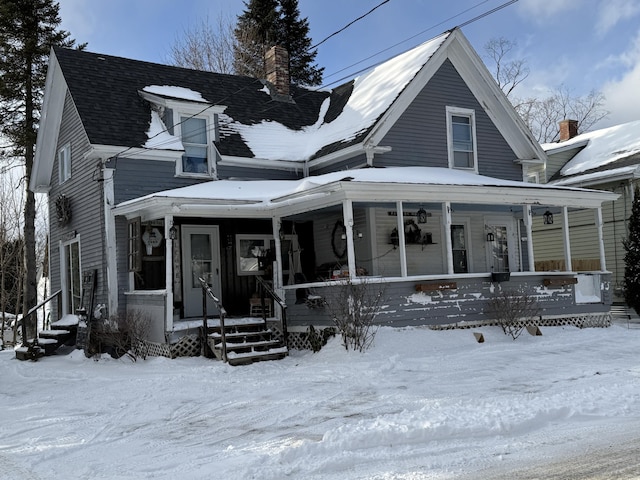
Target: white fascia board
column 288, row 165
column 50, row 120
column 564, row 148
column 408, row 95
column 601, row 178
column 495, row 103
column 187, row 106
column 335, row 157
column 156, row 207
column 103, row 152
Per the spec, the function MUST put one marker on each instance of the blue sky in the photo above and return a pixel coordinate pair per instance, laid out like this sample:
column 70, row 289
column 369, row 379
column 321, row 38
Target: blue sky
column 581, row 44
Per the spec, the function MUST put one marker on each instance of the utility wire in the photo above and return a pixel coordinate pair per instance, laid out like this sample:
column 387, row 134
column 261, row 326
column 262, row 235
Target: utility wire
column 348, row 25
column 123, row 154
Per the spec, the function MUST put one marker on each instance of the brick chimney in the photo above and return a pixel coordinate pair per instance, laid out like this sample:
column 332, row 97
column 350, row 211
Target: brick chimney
column 568, row 129
column 277, row 69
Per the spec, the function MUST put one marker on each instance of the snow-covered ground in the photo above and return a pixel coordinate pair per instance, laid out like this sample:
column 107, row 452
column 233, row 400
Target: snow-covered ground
column 420, row 404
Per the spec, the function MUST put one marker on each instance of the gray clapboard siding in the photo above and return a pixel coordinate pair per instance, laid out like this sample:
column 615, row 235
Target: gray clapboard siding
column 258, row 173
column 356, row 162
column 85, row 194
column 469, row 302
column 419, row 137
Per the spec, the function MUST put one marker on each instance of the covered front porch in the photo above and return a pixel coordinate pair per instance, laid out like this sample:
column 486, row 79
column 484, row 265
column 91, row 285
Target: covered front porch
column 437, row 243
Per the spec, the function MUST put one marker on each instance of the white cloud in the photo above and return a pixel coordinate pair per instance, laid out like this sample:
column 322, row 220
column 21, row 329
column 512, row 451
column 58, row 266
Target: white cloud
column 622, row 94
column 611, row 12
column 542, row 9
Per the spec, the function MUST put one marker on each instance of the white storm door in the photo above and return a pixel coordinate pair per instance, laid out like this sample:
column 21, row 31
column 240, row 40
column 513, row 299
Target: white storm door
column 200, row 258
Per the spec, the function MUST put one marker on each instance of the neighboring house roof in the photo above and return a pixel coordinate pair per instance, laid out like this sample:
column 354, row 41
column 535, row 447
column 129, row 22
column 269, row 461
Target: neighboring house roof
column 600, row 156
column 316, row 125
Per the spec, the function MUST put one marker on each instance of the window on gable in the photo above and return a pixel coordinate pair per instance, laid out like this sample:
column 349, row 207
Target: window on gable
column 64, row 163
column 194, row 139
column 461, row 138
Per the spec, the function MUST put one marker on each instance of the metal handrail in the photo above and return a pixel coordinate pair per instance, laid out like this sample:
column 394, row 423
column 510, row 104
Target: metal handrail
column 206, row 291
column 265, row 287
column 31, row 311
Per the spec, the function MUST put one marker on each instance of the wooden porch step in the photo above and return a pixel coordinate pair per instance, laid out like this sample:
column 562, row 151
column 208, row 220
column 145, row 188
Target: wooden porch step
column 249, row 346
column 247, row 358
column 231, row 336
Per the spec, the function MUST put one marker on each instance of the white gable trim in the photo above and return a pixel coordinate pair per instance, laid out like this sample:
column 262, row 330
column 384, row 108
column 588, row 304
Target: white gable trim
column 50, row 120
column 457, row 49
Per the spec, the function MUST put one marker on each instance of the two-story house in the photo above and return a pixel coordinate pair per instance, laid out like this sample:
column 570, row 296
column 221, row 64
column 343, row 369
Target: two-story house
column 411, row 176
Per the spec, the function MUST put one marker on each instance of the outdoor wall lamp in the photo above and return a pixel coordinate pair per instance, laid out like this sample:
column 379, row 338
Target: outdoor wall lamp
column 548, row 218
column 422, row 215
column 173, row 232
column 490, row 237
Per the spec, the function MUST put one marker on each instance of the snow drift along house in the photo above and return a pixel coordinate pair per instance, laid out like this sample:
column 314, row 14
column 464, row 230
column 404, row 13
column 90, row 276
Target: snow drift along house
column 412, row 176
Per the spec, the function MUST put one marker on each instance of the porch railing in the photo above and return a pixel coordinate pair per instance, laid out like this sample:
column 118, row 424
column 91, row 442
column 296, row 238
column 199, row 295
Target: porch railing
column 265, row 288
column 31, row 346
column 207, row 292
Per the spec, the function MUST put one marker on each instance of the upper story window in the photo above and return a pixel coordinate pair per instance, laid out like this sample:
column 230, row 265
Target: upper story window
column 64, row 163
column 195, row 159
column 461, row 139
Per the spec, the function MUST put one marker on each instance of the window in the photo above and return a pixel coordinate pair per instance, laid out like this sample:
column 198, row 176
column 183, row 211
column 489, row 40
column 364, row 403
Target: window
column 64, row 163
column 459, row 249
column 135, row 244
column 461, row 139
column 72, row 278
column 255, row 252
column 194, row 139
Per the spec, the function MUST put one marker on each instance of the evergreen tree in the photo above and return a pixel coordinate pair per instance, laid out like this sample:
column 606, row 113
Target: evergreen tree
column 255, row 31
column 294, row 34
column 632, row 256
column 28, row 29
column 265, row 23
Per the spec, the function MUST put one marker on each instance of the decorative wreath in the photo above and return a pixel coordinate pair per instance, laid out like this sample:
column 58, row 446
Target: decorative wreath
column 63, row 210
column 338, row 239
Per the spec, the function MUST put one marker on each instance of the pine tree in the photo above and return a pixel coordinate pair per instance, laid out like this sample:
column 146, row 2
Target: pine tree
column 28, row 29
column 294, row 34
column 265, row 23
column 632, row 256
column 255, row 31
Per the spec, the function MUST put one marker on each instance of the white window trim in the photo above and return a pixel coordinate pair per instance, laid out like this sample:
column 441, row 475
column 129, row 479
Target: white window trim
column 64, row 158
column 63, row 271
column 463, row 112
column 466, row 222
column 212, row 136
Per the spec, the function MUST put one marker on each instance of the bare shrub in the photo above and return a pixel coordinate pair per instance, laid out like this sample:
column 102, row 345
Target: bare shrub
column 353, row 310
column 121, row 336
column 512, row 311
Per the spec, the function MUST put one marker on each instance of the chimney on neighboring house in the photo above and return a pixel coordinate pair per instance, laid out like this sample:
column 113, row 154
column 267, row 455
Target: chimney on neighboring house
column 568, row 129
column 277, row 69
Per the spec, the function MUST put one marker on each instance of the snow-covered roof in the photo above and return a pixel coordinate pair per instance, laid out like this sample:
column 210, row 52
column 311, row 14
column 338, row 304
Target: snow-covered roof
column 603, row 147
column 373, row 92
column 262, row 195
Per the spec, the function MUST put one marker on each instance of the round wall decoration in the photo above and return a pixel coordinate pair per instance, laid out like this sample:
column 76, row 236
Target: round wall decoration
column 63, row 210
column 339, row 239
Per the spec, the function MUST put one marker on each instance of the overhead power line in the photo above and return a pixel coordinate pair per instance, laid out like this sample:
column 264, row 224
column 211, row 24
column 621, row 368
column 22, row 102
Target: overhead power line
column 349, row 24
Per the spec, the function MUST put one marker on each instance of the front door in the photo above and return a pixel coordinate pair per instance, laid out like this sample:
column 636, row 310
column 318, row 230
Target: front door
column 200, row 258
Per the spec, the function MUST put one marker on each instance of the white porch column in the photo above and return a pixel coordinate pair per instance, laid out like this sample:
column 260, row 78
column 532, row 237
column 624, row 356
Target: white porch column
column 278, row 281
column 599, row 226
column 401, row 244
column 446, row 221
column 347, row 213
column 111, row 242
column 168, row 273
column 528, row 220
column 567, row 241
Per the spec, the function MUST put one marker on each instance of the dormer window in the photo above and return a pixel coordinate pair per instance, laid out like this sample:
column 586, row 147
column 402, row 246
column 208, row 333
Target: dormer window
column 461, row 139
column 194, row 133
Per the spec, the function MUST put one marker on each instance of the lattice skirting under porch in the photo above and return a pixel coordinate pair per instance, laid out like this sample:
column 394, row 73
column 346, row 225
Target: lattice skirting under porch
column 593, row 320
column 187, row 346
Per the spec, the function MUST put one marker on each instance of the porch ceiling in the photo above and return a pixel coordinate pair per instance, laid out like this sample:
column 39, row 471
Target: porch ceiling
column 281, row 198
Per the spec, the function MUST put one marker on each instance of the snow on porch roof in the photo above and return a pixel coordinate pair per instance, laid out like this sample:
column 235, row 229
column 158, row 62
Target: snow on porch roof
column 269, row 194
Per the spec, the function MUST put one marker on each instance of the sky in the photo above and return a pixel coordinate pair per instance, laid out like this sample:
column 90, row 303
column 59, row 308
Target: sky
column 420, row 404
column 582, row 45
